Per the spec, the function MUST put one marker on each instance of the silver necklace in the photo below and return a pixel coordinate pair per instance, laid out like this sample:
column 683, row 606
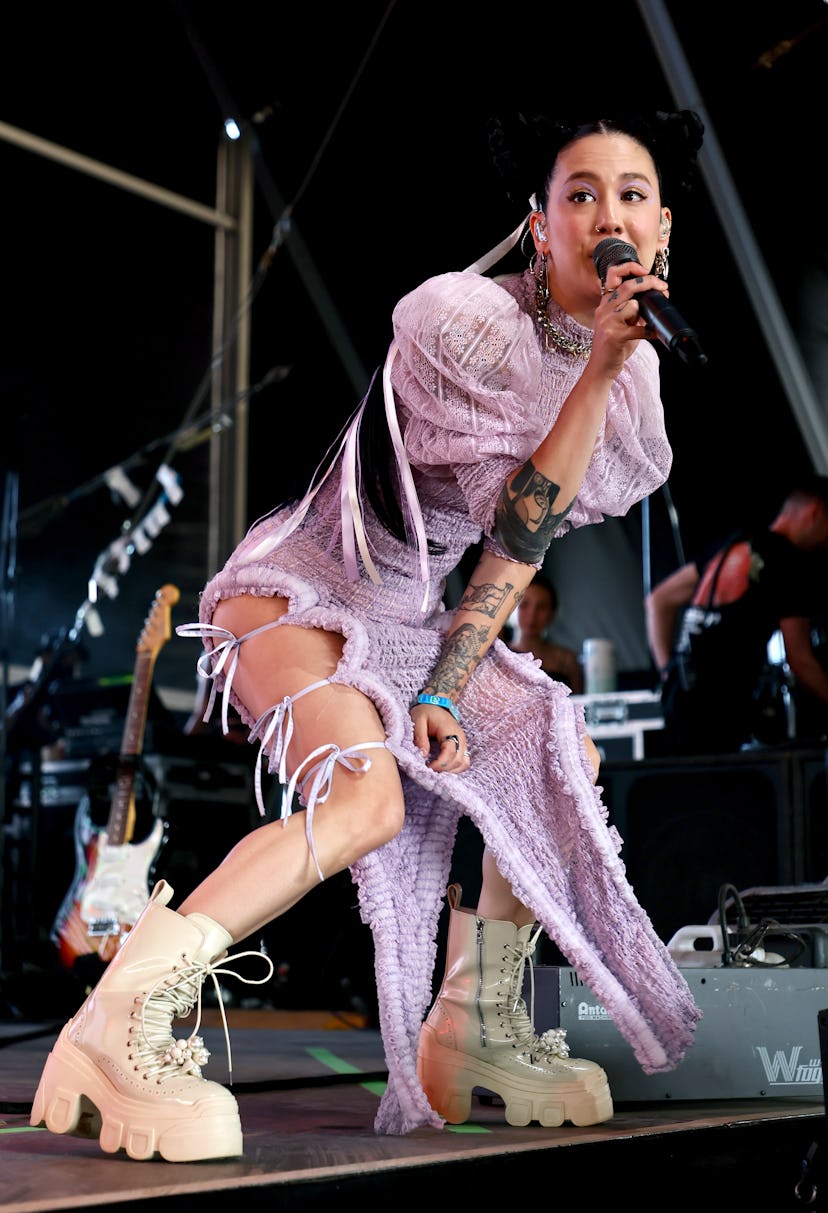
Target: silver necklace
column 578, row 349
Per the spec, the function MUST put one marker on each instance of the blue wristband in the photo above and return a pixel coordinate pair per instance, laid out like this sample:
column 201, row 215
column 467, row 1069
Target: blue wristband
column 441, row 702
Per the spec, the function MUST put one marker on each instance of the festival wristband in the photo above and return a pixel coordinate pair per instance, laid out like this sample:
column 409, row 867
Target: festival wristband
column 441, row 702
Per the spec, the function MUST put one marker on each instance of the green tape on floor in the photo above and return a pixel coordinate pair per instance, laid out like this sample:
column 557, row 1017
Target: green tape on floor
column 329, row 1059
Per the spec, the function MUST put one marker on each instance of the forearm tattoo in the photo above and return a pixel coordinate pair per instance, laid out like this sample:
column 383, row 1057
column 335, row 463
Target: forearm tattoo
column 459, row 657
column 487, row 597
column 524, row 519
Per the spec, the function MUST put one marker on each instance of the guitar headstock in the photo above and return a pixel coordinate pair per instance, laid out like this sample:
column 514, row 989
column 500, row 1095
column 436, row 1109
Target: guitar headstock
column 157, row 626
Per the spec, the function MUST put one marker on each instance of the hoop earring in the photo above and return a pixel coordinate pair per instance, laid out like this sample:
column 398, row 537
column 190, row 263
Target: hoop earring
column 661, row 265
column 529, row 255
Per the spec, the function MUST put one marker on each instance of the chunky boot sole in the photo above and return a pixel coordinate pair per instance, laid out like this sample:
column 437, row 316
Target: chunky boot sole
column 449, row 1077
column 75, row 1097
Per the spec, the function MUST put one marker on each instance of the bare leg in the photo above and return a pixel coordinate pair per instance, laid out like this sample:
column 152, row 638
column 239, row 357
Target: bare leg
column 270, row 869
column 115, row 1071
column 497, row 901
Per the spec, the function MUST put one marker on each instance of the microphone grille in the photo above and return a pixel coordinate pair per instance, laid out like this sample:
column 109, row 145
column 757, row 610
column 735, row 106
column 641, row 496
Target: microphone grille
column 612, row 251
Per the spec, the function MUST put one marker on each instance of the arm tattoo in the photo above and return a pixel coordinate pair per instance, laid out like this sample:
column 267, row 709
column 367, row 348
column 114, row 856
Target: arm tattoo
column 459, row 657
column 487, row 598
column 524, row 520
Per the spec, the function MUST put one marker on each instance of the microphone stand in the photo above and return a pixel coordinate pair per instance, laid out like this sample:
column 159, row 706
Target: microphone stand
column 189, row 434
column 192, row 432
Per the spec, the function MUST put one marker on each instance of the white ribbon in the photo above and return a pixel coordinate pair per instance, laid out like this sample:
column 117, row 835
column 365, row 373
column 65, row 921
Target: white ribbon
column 211, row 663
column 278, row 721
column 321, row 775
column 353, row 529
column 289, row 525
column 500, row 250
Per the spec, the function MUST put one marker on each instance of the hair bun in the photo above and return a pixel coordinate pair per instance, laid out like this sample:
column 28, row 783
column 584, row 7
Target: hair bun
column 523, row 148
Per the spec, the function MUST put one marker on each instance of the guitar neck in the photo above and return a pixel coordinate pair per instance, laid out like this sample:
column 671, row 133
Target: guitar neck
column 121, row 821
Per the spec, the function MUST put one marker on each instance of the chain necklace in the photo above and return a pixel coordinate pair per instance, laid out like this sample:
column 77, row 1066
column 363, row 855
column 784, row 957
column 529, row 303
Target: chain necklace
column 578, row 349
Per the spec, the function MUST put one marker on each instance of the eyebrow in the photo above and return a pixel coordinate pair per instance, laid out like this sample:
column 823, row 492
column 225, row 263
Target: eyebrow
column 589, row 176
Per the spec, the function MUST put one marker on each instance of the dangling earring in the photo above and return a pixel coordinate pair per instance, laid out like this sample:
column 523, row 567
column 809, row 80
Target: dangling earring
column 578, row 349
column 530, row 256
column 542, row 285
column 661, row 265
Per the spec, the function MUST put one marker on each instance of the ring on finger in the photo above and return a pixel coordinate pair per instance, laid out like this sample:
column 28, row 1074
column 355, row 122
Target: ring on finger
column 453, row 737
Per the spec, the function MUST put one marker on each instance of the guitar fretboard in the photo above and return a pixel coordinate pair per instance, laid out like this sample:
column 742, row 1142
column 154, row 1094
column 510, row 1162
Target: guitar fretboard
column 122, row 811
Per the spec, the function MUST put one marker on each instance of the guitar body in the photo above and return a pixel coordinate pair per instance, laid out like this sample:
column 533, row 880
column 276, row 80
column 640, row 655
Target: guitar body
column 109, row 890
column 111, row 884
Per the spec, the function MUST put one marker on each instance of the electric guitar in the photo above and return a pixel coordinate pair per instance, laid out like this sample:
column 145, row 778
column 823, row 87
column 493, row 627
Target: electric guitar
column 111, row 882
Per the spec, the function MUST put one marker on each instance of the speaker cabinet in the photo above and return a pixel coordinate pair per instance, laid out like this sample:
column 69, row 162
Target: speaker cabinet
column 812, row 791
column 692, row 825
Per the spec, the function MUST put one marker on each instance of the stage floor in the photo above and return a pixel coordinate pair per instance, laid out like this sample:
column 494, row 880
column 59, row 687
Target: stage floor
column 308, row 1088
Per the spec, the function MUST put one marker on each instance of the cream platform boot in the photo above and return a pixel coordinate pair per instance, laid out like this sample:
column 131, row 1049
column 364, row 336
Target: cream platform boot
column 478, row 1034
column 115, row 1071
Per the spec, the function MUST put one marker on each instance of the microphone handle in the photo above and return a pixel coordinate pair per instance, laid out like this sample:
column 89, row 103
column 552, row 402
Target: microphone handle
column 670, row 327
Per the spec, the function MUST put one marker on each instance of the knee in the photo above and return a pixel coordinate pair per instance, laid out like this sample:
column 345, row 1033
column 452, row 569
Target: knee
column 364, row 827
column 383, row 821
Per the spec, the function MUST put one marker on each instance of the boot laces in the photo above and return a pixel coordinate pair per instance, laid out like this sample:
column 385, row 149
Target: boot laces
column 522, row 1022
column 175, row 995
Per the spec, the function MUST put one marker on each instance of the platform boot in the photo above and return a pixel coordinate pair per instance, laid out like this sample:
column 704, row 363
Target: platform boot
column 478, row 1034
column 116, row 1073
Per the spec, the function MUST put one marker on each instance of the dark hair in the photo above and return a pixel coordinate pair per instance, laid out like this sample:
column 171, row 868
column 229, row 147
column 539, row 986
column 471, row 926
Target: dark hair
column 525, row 149
column 376, row 457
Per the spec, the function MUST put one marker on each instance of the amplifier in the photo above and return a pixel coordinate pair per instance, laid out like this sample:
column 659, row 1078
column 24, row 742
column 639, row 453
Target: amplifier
column 759, row 1036
column 61, row 782
column 184, row 779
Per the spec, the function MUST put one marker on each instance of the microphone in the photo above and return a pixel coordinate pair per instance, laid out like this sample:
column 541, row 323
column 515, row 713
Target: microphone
column 671, row 329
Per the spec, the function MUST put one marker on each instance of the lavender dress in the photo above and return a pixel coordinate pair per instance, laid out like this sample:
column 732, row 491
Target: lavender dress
column 475, row 392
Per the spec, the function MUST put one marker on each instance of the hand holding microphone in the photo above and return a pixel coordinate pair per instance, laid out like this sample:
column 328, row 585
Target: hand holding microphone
column 656, row 308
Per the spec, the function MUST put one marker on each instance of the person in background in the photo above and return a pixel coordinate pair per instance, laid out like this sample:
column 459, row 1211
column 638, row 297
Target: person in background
column 709, row 625
column 511, row 410
column 536, row 614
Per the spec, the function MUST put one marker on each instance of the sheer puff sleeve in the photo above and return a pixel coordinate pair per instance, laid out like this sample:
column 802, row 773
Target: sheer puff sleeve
column 477, row 395
column 467, row 381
